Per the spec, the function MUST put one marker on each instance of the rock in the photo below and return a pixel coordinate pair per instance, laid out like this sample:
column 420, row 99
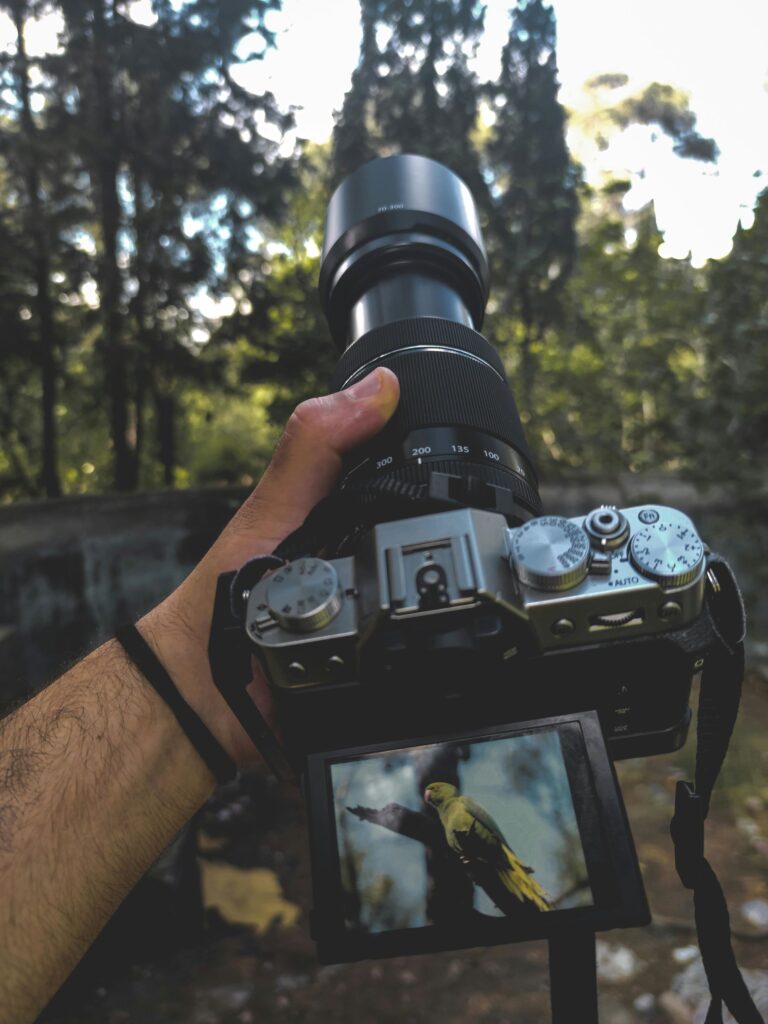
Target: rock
column 755, row 912
column 691, row 984
column 676, row 1009
column 290, row 982
column 223, row 998
column 748, row 827
column 616, row 963
column 754, row 804
column 645, row 1003
column 685, row 954
column 691, row 987
column 757, row 983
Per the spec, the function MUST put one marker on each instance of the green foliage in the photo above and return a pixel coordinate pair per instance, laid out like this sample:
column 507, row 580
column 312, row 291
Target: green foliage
column 228, row 440
column 618, row 378
column 138, row 180
column 278, row 333
column 667, row 108
column 534, row 187
column 617, row 106
column 165, row 173
column 413, row 90
column 730, row 417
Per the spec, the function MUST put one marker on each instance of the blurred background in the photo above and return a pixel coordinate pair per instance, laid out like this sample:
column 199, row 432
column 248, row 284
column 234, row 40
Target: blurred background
column 164, row 171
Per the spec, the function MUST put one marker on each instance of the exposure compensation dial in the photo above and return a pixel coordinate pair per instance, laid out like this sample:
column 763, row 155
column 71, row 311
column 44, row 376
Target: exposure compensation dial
column 550, row 553
column 669, row 550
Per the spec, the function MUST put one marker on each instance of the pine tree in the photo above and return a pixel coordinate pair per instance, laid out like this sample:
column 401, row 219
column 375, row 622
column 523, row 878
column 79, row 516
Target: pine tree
column 413, row 90
column 191, row 131
column 167, row 138
column 534, row 186
column 30, row 165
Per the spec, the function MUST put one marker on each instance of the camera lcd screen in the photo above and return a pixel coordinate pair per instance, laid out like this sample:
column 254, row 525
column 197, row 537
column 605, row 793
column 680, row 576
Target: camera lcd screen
column 464, row 841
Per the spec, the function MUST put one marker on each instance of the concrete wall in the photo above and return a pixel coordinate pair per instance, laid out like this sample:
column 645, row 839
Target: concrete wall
column 71, row 569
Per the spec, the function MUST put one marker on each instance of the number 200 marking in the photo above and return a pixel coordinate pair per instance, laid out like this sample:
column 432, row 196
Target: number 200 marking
column 421, row 451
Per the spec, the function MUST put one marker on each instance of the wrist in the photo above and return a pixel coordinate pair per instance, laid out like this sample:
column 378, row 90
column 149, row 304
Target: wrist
column 182, row 649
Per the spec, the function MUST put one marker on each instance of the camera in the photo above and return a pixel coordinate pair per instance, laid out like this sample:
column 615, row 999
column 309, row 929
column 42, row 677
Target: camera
column 445, row 599
column 454, row 670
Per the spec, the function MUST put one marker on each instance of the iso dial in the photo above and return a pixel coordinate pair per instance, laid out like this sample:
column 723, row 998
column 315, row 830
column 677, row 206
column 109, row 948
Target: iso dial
column 550, row 553
column 669, row 550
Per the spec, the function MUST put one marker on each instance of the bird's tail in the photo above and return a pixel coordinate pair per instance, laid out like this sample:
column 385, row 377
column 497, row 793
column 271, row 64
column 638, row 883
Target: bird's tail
column 519, row 881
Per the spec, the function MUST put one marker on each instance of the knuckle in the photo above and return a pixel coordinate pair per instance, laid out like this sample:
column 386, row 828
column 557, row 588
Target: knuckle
column 307, row 417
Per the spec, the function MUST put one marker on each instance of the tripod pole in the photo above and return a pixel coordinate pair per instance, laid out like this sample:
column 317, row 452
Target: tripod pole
column 573, row 978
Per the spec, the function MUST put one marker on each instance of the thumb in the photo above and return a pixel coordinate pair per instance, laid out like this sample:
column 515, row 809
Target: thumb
column 308, row 458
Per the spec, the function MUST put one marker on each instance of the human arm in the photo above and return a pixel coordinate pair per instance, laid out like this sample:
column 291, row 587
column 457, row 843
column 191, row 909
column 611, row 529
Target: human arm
column 96, row 776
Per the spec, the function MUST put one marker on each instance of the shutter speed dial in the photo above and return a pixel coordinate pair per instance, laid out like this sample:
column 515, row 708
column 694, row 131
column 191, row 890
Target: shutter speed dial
column 550, row 553
column 669, row 550
column 304, row 595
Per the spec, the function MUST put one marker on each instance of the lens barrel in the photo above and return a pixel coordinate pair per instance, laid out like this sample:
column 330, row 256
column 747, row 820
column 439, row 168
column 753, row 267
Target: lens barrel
column 404, row 282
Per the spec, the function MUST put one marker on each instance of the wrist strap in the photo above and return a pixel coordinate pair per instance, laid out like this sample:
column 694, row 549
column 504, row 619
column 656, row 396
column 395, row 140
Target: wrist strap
column 221, row 765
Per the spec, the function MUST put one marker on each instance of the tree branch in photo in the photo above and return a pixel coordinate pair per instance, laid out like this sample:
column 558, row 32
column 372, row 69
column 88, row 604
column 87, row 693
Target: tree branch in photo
column 452, row 900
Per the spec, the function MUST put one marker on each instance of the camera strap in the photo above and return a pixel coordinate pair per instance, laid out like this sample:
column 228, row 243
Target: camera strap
column 720, row 693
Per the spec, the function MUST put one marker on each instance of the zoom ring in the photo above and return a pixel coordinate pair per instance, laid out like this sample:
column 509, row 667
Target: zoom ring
column 449, row 376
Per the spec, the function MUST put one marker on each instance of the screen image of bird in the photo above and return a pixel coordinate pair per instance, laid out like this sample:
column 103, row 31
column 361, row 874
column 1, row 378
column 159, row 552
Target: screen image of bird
column 451, row 833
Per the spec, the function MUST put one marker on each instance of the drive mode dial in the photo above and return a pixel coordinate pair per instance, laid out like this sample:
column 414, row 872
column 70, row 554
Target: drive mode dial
column 669, row 550
column 550, row 553
column 304, row 595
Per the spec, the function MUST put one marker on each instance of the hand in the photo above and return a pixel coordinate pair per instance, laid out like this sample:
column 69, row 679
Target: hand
column 304, row 468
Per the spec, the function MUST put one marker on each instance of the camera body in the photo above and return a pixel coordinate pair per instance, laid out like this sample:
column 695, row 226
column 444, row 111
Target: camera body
column 453, row 619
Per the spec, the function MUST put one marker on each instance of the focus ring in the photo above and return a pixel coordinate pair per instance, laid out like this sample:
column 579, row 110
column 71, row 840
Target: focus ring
column 422, row 331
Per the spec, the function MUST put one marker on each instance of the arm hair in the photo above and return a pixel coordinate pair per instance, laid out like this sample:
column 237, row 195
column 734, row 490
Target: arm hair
column 96, row 778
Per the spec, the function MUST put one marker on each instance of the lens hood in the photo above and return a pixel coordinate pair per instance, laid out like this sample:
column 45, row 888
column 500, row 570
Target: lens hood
column 396, row 215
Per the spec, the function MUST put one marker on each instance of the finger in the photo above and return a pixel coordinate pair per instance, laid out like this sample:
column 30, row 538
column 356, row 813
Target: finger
column 308, row 459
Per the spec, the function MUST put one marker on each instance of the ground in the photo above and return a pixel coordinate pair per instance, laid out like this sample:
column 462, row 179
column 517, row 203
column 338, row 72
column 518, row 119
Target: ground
column 165, row 962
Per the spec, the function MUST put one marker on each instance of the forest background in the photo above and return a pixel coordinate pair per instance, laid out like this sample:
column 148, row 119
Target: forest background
column 160, row 229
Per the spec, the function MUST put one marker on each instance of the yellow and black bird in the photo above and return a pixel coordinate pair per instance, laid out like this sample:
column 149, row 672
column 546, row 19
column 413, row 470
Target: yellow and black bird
column 471, row 832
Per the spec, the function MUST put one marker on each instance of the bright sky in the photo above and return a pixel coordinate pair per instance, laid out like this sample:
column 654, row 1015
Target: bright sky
column 717, row 54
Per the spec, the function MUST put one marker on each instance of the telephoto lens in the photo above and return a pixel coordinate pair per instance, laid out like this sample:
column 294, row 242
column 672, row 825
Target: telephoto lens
column 404, row 283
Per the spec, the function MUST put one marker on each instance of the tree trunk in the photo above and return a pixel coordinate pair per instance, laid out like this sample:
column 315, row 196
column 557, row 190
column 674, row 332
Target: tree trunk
column 106, row 165
column 36, row 226
column 144, row 333
column 165, row 409
column 527, row 361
